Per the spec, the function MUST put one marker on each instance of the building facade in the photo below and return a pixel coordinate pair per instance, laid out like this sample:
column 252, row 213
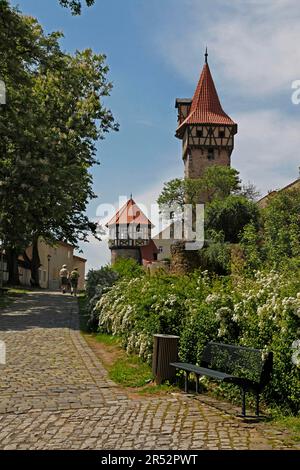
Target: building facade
column 51, row 258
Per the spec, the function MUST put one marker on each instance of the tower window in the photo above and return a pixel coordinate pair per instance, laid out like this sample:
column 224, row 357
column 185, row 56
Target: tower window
column 210, row 154
column 221, row 134
column 199, row 133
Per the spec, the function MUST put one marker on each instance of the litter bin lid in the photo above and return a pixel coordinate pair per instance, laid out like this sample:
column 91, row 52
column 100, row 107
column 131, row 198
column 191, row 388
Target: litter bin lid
column 166, row 336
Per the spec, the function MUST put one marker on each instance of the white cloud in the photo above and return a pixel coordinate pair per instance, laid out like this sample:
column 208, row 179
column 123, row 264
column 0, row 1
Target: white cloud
column 266, row 149
column 254, row 44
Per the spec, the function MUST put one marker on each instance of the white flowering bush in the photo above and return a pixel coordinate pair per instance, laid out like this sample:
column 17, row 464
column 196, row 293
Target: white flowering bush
column 267, row 316
column 296, row 353
column 96, row 284
column 261, row 312
column 138, row 308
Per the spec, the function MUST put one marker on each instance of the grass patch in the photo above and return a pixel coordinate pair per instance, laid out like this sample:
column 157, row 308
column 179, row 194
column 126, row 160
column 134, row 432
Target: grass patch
column 126, row 370
column 109, row 340
column 130, row 371
column 16, row 291
column 8, row 294
column 292, row 423
column 153, row 389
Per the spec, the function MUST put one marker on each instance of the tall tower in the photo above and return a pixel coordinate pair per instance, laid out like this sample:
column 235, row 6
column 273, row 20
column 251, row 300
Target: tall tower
column 206, row 131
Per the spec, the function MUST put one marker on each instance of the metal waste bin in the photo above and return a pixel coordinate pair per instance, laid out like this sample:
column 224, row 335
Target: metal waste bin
column 165, row 350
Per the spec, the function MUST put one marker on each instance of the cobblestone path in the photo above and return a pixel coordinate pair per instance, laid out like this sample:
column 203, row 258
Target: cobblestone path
column 54, row 394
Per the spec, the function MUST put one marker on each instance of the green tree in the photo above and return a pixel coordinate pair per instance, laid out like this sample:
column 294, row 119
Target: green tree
column 53, row 117
column 252, row 245
column 22, row 47
column 230, row 215
column 281, row 226
column 75, row 5
column 217, row 182
column 172, row 193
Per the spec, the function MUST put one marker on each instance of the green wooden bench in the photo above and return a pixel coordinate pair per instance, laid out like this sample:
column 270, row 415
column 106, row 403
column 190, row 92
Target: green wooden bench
column 248, row 368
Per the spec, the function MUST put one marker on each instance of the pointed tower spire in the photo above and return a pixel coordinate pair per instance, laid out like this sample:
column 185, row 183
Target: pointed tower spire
column 206, row 55
column 205, row 106
column 206, row 131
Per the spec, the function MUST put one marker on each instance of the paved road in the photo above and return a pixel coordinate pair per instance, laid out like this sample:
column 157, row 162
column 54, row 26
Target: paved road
column 54, row 394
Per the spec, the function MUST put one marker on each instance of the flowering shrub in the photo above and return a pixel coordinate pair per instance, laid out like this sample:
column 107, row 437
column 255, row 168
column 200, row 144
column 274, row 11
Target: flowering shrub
column 99, row 280
column 138, row 308
column 261, row 312
column 96, row 284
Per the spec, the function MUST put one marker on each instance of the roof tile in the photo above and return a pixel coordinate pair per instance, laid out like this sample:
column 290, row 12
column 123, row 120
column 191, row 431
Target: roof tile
column 206, row 107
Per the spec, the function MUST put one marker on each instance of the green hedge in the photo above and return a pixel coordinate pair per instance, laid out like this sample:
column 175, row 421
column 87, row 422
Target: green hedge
column 262, row 311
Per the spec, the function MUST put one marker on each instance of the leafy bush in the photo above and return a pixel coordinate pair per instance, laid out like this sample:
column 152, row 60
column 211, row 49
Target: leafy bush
column 144, row 306
column 277, row 242
column 128, row 268
column 96, row 283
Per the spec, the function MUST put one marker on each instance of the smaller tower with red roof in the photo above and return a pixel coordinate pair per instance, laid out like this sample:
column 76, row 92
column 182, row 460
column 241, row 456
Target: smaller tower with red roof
column 130, row 235
column 206, row 131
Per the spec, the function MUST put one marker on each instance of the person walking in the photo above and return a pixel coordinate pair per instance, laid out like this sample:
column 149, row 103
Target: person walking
column 64, row 275
column 74, row 276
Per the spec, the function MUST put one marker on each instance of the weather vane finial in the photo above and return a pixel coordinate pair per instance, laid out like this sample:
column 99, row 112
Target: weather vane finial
column 206, row 55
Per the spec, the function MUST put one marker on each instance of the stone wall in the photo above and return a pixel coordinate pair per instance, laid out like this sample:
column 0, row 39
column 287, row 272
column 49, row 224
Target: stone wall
column 183, row 261
column 133, row 253
column 198, row 161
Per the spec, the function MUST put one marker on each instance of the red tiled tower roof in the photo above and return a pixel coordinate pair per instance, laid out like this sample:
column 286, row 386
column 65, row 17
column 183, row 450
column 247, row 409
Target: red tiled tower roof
column 206, row 107
column 128, row 213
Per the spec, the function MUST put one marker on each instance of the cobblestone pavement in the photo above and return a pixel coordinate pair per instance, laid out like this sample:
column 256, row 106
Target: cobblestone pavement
column 54, row 394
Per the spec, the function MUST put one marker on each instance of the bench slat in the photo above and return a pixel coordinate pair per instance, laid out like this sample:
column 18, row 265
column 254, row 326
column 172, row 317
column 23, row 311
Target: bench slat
column 201, row 370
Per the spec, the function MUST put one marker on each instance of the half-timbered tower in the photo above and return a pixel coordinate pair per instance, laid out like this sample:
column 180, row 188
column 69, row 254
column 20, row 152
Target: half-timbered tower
column 130, row 235
column 206, row 131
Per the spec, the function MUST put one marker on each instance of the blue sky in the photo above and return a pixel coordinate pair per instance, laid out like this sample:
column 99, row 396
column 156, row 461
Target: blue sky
column 155, row 53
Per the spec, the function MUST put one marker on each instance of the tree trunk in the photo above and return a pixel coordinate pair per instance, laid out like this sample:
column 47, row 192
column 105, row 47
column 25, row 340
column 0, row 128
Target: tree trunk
column 35, row 263
column 12, row 266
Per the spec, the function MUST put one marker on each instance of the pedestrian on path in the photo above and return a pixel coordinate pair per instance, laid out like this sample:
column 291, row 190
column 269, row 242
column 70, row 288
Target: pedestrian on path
column 74, row 276
column 64, row 275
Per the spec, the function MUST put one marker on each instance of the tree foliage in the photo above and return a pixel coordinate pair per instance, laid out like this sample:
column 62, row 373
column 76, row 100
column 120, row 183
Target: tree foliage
column 276, row 242
column 75, row 5
column 49, row 126
column 217, row 182
column 230, row 216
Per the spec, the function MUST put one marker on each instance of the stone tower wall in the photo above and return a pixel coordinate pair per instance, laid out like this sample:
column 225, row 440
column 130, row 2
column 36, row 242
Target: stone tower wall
column 133, row 253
